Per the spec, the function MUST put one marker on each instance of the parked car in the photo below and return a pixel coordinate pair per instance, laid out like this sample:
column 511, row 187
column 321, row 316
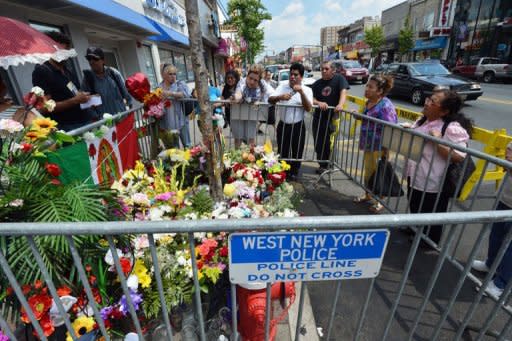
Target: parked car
column 486, row 68
column 417, row 81
column 351, row 70
column 284, row 75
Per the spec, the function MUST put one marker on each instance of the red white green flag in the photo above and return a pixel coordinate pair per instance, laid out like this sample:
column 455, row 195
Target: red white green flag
column 101, row 160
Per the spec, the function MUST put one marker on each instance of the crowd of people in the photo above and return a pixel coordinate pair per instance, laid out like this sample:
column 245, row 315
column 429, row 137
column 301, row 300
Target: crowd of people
column 289, row 104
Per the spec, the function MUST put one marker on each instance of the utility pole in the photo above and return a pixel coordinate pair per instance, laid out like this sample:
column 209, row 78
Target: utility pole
column 213, row 160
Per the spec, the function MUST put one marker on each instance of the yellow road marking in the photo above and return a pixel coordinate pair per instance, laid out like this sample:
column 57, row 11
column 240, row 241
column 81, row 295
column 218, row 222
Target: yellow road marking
column 494, row 100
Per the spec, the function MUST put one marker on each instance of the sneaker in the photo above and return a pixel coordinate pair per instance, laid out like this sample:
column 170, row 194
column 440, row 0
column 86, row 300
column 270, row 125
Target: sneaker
column 480, row 265
column 493, row 290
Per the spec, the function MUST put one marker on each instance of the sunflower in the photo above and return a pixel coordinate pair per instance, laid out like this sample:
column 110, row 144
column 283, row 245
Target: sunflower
column 43, row 123
column 35, row 135
column 82, row 325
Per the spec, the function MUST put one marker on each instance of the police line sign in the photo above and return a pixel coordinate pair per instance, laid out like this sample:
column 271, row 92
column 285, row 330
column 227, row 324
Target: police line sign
column 306, row 256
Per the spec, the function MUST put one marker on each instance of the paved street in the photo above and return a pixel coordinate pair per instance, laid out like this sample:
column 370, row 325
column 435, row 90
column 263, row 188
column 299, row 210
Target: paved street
column 493, row 110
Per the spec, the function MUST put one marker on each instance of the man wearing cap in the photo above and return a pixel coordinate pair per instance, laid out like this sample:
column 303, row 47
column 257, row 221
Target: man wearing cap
column 106, row 82
column 60, row 84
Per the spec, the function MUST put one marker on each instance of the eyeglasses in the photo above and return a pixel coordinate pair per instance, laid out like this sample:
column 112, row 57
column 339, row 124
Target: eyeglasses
column 90, row 59
column 172, row 73
column 429, row 100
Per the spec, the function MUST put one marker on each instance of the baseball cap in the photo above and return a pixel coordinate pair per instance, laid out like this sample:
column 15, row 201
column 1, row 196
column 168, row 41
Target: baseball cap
column 94, row 52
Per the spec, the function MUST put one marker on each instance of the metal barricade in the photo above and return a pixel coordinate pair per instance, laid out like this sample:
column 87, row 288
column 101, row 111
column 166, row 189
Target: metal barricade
column 498, row 313
column 344, row 156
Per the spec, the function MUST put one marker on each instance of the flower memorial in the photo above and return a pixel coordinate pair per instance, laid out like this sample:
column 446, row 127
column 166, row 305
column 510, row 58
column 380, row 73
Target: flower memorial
column 154, row 103
column 171, row 188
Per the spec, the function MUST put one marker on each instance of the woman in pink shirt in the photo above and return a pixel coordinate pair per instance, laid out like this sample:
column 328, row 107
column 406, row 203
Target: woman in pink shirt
column 441, row 110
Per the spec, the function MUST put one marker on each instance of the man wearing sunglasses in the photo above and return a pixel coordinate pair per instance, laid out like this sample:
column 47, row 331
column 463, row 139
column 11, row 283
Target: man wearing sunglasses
column 106, row 82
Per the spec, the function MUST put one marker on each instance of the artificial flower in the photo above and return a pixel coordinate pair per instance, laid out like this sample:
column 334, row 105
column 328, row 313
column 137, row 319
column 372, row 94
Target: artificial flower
column 81, row 326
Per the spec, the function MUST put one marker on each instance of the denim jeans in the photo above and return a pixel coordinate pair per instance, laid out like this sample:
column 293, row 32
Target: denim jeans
column 498, row 233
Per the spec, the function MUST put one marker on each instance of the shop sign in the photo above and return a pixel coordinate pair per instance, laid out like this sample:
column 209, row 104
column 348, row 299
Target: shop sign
column 223, row 49
column 167, row 8
column 445, row 9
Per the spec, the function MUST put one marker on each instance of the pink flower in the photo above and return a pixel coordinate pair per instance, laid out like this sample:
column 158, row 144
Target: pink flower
column 164, row 196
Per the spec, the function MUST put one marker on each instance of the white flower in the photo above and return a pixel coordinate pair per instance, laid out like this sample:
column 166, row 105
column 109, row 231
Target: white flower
column 88, row 136
column 259, row 149
column 49, row 105
column 37, row 91
column 181, row 260
column 199, row 235
column 10, row 126
column 107, row 116
column 141, row 199
column 155, row 214
column 191, row 216
column 16, row 203
column 132, row 282
column 104, row 129
column 55, row 316
column 109, row 259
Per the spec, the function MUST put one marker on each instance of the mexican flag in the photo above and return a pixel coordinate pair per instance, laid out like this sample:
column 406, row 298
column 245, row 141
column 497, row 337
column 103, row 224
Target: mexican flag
column 102, row 160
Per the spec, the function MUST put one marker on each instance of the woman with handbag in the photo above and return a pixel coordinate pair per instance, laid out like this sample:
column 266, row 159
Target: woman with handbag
column 377, row 106
column 440, row 112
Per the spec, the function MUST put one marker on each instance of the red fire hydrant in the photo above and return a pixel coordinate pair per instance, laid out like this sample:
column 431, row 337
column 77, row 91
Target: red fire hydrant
column 252, row 305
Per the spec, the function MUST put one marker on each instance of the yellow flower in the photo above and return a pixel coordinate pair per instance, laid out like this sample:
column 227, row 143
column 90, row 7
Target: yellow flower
column 260, row 163
column 34, row 135
column 186, row 155
column 229, row 190
column 285, row 165
column 180, row 195
column 82, row 325
column 267, row 147
column 43, row 123
column 144, row 280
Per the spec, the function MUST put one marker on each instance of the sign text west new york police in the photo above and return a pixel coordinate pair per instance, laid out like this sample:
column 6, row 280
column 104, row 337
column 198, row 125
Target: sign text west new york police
column 306, row 256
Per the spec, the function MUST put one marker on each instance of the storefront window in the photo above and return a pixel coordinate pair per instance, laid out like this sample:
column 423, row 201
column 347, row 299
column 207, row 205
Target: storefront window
column 190, row 70
column 165, row 56
column 179, row 62
column 150, row 66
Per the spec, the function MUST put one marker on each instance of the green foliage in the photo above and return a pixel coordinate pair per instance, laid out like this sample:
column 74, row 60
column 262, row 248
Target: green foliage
column 405, row 38
column 247, row 16
column 374, row 37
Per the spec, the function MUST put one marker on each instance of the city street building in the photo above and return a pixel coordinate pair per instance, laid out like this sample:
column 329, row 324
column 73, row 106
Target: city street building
column 351, row 38
column 393, row 20
column 482, row 29
column 329, row 35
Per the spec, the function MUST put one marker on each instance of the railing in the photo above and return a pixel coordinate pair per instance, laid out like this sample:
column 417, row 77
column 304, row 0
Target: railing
column 343, row 156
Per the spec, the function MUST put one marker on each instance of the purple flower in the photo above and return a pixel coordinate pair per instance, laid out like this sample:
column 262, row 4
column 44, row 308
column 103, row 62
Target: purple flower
column 123, row 303
column 105, row 312
column 3, row 337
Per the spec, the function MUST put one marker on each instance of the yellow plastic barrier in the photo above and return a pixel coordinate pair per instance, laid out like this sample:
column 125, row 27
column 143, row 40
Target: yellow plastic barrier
column 495, row 144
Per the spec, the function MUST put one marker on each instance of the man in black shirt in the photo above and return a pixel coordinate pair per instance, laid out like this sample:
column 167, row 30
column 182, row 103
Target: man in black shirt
column 329, row 91
column 62, row 86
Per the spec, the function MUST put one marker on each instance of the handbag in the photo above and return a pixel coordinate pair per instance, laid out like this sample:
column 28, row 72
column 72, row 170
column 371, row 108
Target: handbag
column 384, row 182
column 453, row 175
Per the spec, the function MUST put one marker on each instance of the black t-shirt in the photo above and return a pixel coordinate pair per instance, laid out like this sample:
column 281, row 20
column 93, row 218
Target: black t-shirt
column 55, row 84
column 328, row 91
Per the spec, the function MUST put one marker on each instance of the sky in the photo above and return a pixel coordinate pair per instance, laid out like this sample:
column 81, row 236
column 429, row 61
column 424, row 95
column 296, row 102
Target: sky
column 296, row 22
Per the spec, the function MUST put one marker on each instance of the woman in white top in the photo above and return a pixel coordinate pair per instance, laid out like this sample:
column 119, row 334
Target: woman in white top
column 250, row 89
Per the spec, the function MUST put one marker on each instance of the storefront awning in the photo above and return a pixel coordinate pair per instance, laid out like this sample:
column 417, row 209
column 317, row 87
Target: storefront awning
column 166, row 33
column 103, row 13
column 430, row 44
column 117, row 11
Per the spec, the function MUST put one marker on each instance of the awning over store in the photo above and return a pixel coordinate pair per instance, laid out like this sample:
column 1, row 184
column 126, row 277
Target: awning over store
column 430, row 44
column 166, row 33
column 106, row 13
column 115, row 10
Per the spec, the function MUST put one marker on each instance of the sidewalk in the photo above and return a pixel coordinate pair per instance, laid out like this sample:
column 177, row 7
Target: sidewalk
column 321, row 201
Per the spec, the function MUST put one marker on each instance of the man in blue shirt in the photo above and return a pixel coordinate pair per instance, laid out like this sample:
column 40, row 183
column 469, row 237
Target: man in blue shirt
column 107, row 82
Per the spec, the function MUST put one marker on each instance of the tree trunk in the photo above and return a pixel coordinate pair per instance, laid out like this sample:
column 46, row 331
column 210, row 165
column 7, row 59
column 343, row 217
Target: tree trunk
column 213, row 159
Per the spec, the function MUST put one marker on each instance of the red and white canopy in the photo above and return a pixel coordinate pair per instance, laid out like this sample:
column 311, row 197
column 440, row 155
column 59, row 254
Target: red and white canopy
column 20, row 43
